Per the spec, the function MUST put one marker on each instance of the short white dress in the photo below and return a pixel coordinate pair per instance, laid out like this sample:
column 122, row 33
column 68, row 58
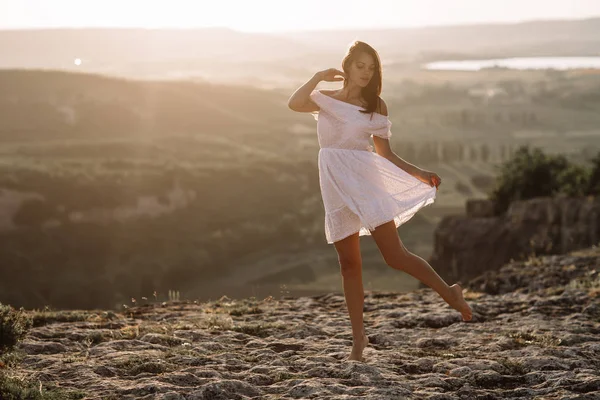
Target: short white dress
column 361, row 189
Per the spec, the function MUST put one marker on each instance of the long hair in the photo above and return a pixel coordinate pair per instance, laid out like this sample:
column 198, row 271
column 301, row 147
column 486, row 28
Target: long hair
column 372, row 91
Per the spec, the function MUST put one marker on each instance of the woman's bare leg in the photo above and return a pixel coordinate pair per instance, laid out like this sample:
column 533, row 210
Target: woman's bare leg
column 398, row 257
column 349, row 257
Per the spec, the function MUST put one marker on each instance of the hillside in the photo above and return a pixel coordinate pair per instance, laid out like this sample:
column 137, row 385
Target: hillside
column 92, row 106
column 113, row 188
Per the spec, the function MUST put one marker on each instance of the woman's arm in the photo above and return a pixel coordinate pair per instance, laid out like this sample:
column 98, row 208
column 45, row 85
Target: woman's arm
column 300, row 100
column 405, row 165
column 382, row 147
column 430, row 178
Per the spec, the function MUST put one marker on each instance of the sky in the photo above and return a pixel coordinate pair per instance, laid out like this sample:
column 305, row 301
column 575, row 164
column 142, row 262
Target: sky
column 283, row 15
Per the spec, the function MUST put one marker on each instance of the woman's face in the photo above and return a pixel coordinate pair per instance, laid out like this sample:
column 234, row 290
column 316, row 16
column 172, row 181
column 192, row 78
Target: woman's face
column 362, row 69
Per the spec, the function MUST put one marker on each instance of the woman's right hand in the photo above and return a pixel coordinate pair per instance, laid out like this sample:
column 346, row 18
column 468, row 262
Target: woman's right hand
column 329, row 75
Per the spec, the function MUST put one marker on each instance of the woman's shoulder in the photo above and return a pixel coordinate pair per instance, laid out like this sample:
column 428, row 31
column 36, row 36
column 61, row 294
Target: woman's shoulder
column 382, row 107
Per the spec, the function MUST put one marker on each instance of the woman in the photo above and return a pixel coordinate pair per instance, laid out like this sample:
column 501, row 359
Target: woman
column 366, row 192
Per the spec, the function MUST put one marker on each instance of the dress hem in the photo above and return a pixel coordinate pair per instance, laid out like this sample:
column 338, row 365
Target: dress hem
column 399, row 218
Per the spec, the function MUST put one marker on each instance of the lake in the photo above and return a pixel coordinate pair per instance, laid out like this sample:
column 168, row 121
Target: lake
column 561, row 63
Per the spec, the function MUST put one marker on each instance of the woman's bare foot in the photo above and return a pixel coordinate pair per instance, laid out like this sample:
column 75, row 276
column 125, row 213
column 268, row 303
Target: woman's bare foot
column 357, row 349
column 457, row 302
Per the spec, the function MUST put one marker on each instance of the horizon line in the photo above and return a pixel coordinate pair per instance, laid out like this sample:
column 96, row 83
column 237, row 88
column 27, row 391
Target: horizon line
column 336, row 29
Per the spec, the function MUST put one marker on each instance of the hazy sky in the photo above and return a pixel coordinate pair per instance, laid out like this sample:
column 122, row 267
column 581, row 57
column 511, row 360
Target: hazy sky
column 283, row 15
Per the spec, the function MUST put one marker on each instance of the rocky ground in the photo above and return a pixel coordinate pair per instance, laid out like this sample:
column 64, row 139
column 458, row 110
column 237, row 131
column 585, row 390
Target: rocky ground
column 535, row 334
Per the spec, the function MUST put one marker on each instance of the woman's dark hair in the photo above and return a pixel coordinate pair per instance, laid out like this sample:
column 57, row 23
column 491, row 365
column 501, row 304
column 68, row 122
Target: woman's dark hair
column 372, row 91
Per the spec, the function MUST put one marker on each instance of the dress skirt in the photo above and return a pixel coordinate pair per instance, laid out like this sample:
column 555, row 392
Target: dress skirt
column 362, row 190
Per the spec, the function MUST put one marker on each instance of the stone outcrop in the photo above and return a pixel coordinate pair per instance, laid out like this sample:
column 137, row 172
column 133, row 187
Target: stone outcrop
column 468, row 245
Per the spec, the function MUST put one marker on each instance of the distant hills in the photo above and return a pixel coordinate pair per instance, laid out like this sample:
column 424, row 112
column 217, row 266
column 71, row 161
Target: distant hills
column 38, row 105
column 551, row 37
column 220, row 51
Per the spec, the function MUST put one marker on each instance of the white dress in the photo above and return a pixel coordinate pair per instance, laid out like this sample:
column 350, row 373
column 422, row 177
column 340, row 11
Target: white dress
column 361, row 189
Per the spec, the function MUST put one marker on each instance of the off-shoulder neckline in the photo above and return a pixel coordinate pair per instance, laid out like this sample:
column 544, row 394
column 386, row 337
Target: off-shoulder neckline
column 350, row 104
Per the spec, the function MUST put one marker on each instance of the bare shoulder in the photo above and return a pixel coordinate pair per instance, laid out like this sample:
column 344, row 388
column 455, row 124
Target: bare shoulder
column 382, row 107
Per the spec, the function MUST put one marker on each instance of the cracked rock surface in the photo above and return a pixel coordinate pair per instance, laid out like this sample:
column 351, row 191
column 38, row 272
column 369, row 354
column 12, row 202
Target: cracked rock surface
column 535, row 333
